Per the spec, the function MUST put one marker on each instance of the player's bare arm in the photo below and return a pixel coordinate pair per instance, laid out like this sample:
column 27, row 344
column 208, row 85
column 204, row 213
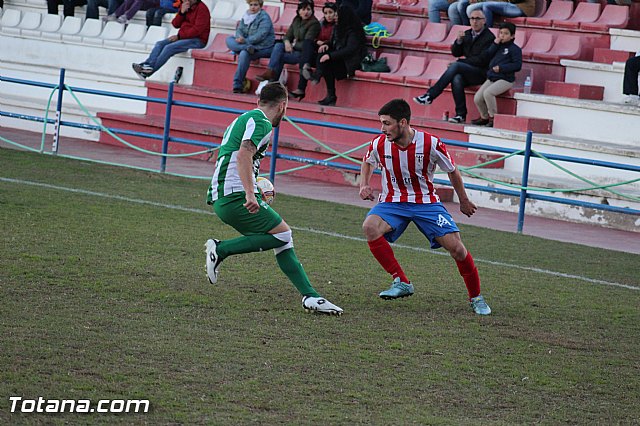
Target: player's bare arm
column 245, row 170
column 366, row 192
column 467, row 207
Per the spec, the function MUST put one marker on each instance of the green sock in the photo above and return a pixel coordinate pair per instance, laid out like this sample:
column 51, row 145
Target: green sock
column 292, row 268
column 248, row 244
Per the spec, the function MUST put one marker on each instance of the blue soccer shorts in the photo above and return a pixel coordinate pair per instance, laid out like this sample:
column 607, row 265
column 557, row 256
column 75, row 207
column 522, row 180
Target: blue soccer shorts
column 433, row 220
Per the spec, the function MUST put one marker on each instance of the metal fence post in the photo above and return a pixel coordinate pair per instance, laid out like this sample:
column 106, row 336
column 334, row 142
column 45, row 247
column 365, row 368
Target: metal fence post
column 167, row 127
column 56, row 126
column 274, row 155
column 525, row 181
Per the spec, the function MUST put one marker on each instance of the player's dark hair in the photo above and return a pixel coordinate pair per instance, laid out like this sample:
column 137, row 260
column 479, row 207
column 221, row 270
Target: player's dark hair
column 273, row 93
column 510, row 26
column 396, row 109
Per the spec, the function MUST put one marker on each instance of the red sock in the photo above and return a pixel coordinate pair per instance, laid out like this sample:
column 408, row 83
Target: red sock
column 383, row 253
column 470, row 275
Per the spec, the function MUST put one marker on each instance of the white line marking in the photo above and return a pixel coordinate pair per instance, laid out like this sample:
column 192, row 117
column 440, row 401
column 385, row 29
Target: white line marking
column 315, row 231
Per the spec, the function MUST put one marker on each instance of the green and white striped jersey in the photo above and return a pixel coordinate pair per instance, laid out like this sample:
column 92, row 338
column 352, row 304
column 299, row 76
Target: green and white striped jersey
column 252, row 125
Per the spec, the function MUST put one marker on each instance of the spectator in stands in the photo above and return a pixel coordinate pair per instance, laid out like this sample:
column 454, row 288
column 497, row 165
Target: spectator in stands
column 110, row 5
column 506, row 60
column 470, row 70
column 343, row 55
column 362, row 9
column 126, row 11
column 310, row 48
column 193, row 22
column 155, row 14
column 457, row 12
column 506, row 8
column 305, row 26
column 68, row 6
column 253, row 40
column 630, row 82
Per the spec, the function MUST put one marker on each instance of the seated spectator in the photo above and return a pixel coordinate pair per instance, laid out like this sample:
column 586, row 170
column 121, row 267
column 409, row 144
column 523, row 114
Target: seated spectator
column 506, row 60
column 253, row 40
column 305, row 26
column 630, row 81
column 110, row 5
column 310, row 48
column 470, row 70
column 126, row 11
column 362, row 8
column 155, row 14
column 506, row 8
column 193, row 22
column 437, row 6
column 68, row 6
column 342, row 56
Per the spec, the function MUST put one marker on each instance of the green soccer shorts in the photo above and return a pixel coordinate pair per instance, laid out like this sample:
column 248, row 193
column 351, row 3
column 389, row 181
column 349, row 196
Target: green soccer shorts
column 231, row 211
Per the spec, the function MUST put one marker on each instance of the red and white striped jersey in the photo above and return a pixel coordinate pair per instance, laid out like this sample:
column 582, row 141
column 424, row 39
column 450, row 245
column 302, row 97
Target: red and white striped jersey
column 407, row 174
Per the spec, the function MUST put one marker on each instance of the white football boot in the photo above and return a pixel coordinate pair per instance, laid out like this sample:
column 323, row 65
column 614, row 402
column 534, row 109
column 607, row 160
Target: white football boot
column 213, row 260
column 320, row 305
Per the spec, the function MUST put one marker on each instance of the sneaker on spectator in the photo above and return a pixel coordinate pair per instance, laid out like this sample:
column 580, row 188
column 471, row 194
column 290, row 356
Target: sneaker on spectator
column 140, row 71
column 320, row 305
column 146, row 68
column 109, row 18
column 632, row 100
column 122, row 19
column 457, row 119
column 480, row 121
column 423, row 100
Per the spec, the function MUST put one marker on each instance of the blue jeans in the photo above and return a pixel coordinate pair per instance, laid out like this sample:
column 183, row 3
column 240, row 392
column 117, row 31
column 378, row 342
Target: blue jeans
column 155, row 14
column 244, row 59
column 489, row 8
column 92, row 7
column 435, row 6
column 458, row 12
column 460, row 75
column 165, row 49
column 279, row 57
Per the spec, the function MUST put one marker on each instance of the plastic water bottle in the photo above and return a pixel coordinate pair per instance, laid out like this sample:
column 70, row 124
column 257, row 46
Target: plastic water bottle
column 527, row 85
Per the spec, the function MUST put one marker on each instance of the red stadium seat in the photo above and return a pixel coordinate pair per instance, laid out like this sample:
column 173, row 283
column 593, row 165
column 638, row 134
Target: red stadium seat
column 388, row 6
column 585, row 12
column 613, row 16
column 541, row 9
column 273, row 12
column 393, row 60
column 286, row 18
column 538, row 43
column 445, row 45
column 409, row 29
column 433, row 32
column 559, row 10
column 218, row 46
column 435, row 69
column 521, row 37
column 411, row 67
column 567, row 46
column 414, row 8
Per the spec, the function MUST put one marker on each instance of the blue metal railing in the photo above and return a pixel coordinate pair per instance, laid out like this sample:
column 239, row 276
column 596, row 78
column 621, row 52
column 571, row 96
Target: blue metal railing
column 523, row 194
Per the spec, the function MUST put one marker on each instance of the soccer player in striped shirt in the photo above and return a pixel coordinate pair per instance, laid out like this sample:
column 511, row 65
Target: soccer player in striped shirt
column 408, row 159
column 236, row 201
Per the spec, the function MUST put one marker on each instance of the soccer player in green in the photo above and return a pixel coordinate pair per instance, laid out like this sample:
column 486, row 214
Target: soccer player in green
column 236, row 201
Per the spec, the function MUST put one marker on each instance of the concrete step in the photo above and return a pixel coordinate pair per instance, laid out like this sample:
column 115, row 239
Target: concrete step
column 608, row 56
column 608, row 76
column 574, row 90
column 591, row 120
column 522, row 124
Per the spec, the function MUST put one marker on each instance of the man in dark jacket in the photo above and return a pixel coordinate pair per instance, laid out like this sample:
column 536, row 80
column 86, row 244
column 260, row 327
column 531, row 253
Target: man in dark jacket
column 470, row 70
column 194, row 23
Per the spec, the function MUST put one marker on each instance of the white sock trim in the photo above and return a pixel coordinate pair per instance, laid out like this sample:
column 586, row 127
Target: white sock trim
column 284, row 237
